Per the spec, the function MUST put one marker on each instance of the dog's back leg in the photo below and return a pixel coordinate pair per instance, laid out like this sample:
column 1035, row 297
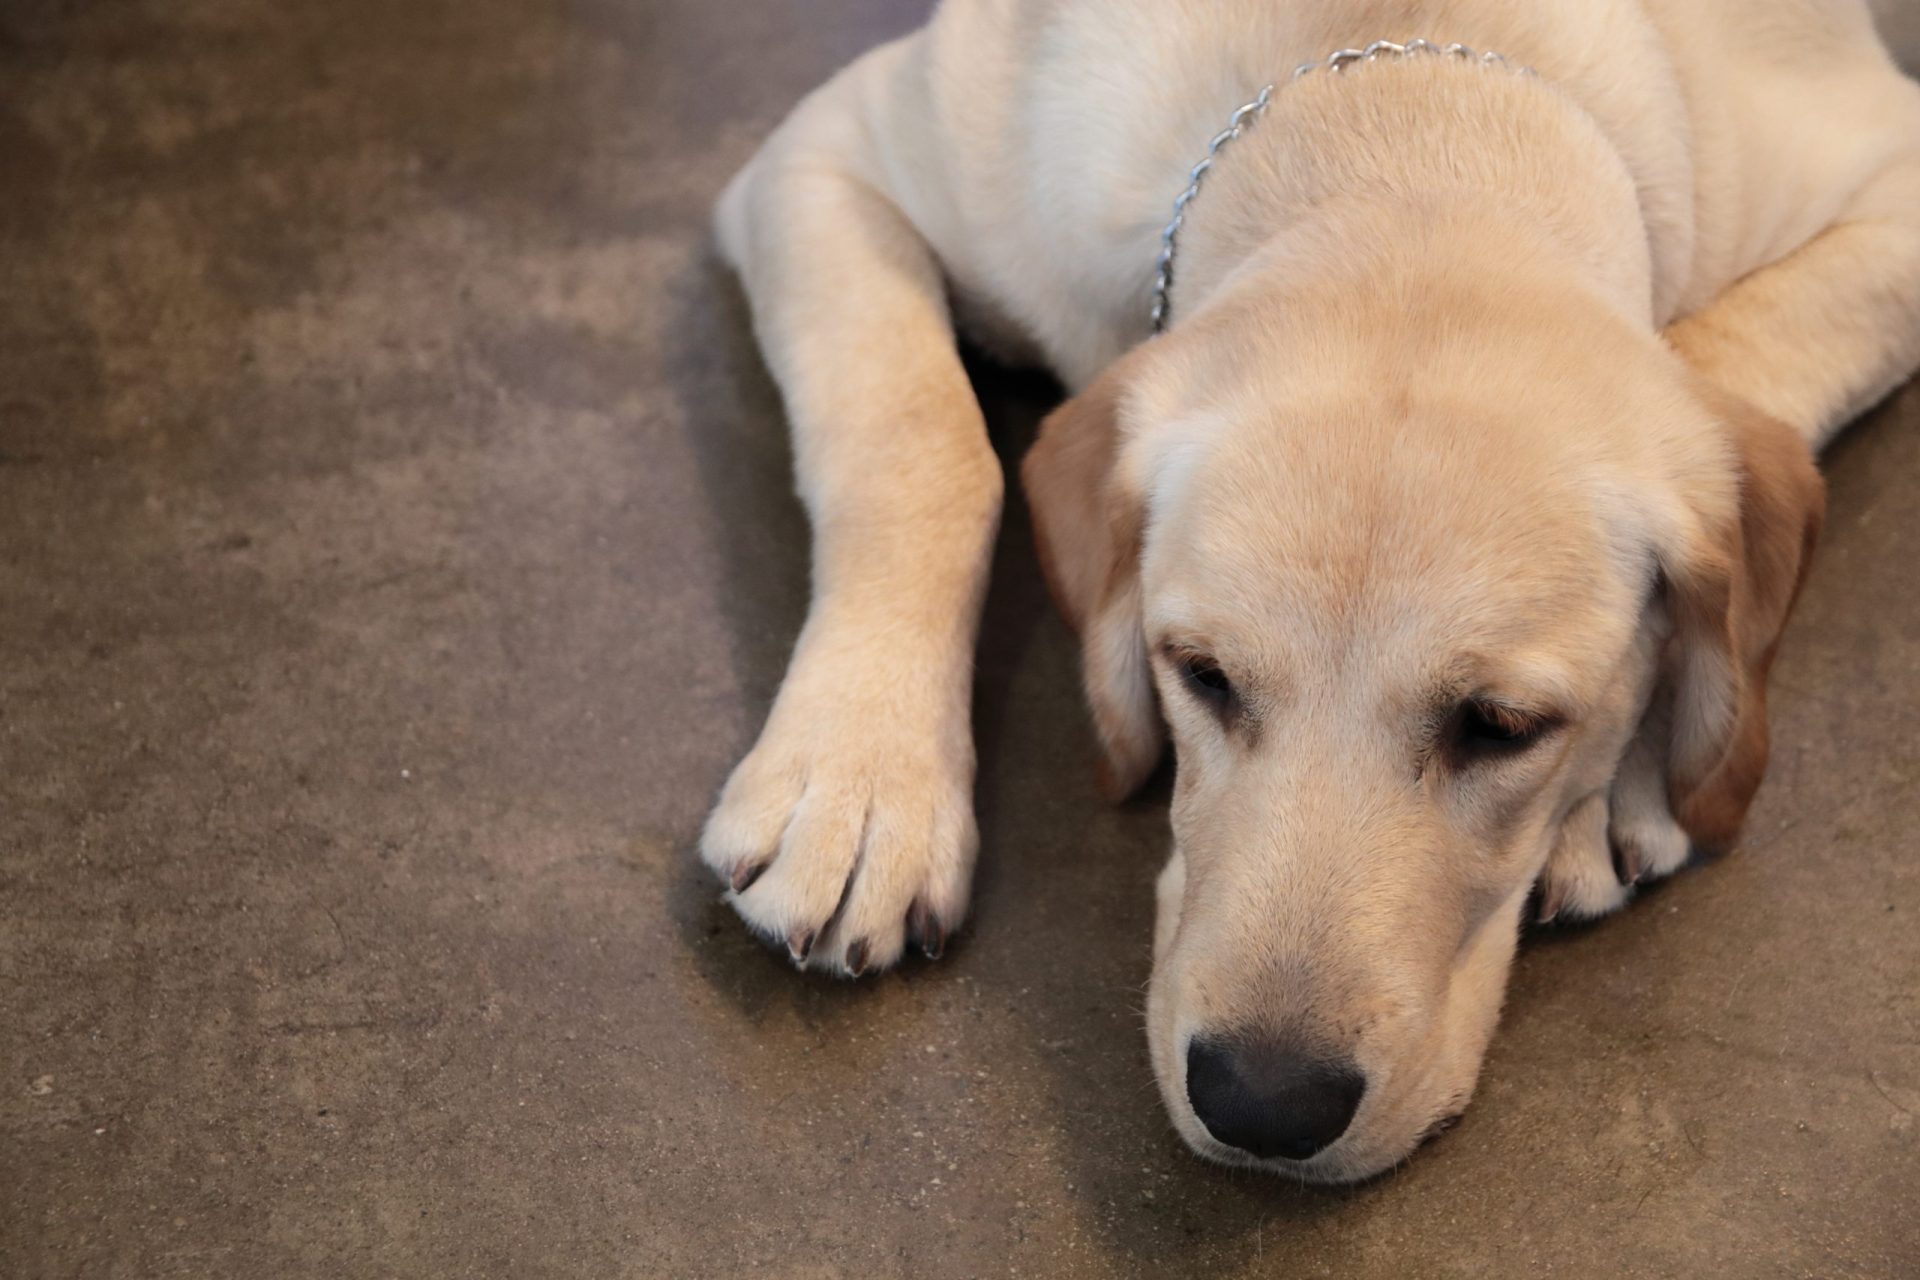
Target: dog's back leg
column 847, row 832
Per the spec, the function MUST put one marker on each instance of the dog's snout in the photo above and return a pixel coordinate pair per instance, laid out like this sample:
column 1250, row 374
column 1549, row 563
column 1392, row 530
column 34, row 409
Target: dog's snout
column 1269, row 1100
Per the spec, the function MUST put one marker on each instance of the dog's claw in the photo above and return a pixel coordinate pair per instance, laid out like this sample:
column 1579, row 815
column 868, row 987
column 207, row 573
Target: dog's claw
column 744, row 875
column 1552, row 898
column 857, row 959
column 925, row 931
column 800, row 945
column 1628, row 866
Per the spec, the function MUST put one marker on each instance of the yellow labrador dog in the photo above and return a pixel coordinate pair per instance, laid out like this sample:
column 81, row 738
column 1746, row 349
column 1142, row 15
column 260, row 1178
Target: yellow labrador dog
column 1438, row 478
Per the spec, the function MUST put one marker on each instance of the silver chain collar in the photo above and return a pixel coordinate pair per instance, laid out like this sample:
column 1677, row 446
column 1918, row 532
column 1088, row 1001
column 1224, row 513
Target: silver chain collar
column 1243, row 119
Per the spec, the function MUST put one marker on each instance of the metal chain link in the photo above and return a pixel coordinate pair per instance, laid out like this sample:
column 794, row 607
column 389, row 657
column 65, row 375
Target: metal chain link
column 1244, row 118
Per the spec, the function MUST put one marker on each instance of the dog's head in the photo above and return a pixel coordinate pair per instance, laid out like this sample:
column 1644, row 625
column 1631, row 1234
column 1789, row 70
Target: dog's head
column 1401, row 584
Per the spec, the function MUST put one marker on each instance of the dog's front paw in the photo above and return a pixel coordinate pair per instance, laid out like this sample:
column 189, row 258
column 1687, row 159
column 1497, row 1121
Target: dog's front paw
column 847, row 834
column 1580, row 881
column 1622, row 836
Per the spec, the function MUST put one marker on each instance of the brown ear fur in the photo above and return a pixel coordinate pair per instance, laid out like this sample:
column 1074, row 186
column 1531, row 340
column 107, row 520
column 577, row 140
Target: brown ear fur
column 1087, row 528
column 1731, row 602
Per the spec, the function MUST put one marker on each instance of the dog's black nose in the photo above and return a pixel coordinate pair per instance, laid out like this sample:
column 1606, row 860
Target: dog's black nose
column 1271, row 1101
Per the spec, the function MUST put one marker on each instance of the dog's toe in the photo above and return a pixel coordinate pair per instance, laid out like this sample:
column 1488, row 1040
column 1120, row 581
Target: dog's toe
column 1579, row 881
column 1648, row 846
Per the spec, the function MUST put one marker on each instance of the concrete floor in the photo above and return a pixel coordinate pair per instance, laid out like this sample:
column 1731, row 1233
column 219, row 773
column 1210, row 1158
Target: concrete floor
column 397, row 549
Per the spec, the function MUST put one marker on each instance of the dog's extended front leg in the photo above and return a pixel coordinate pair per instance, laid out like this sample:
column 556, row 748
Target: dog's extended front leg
column 847, row 833
column 1812, row 339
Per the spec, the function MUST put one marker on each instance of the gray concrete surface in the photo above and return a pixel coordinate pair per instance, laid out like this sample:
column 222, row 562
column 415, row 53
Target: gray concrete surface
column 396, row 550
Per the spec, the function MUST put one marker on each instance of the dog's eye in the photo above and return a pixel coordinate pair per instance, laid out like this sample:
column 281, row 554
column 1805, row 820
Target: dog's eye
column 1487, row 728
column 1204, row 676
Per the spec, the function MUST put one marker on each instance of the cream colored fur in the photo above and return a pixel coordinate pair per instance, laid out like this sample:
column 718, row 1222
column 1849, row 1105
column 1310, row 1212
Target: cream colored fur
column 1480, row 386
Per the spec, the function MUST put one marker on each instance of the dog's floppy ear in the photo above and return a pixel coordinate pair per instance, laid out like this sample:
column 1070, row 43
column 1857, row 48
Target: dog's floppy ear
column 1088, row 527
column 1731, row 588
